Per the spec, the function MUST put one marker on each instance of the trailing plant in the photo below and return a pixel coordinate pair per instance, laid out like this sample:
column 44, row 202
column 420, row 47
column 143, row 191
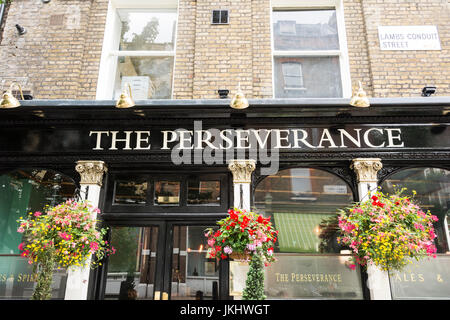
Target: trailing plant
column 387, row 230
column 66, row 236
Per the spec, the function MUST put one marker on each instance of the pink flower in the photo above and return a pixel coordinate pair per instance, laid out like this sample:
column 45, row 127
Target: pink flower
column 65, row 236
column 20, row 230
column 93, row 246
column 352, row 266
column 211, row 242
column 37, row 213
column 227, row 250
column 21, row 246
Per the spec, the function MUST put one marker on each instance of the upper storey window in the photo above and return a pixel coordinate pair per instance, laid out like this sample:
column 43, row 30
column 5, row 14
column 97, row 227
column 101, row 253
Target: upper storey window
column 138, row 50
column 146, row 53
column 310, row 56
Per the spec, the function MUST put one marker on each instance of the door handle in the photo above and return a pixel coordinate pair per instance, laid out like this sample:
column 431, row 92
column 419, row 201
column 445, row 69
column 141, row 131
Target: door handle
column 157, row 295
column 165, row 296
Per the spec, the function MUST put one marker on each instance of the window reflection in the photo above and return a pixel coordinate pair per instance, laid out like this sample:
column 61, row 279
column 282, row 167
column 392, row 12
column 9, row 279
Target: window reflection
column 305, row 30
column 23, row 191
column 130, row 192
column 303, row 204
column 307, row 80
column 132, row 270
column 147, row 30
column 167, row 193
column 203, row 192
column 149, row 77
column 193, row 275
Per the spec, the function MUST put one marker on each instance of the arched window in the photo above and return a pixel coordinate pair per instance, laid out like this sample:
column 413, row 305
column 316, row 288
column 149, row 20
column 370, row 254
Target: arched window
column 433, row 193
column 22, row 191
column 303, row 205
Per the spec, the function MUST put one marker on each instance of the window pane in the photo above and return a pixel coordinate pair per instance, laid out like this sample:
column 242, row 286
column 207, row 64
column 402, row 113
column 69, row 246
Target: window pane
column 149, row 77
column 292, row 74
column 132, row 269
column 203, row 192
column 147, row 29
column 23, row 191
column 321, row 77
column 194, row 276
column 303, row 204
column 305, row 30
column 167, row 193
column 130, row 192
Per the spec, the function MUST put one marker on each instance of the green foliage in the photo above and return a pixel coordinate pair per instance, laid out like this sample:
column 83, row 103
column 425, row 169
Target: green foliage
column 43, row 290
column 65, row 236
column 387, row 230
column 254, row 285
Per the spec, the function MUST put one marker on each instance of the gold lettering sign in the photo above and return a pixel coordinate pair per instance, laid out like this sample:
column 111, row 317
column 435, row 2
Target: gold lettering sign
column 308, row 277
column 414, row 277
column 21, row 277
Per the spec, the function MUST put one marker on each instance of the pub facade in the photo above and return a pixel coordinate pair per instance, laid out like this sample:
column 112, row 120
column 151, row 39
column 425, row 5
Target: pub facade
column 179, row 156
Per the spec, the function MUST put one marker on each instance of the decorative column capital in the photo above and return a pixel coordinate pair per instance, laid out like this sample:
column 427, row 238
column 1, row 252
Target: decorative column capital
column 366, row 169
column 91, row 172
column 242, row 170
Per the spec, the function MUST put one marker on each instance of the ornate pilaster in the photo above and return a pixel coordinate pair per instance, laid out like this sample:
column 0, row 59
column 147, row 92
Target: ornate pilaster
column 91, row 172
column 242, row 170
column 366, row 169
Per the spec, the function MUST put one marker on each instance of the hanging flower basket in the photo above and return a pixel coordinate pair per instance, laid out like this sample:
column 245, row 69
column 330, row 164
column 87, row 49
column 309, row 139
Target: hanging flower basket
column 245, row 236
column 244, row 257
column 66, row 236
column 387, row 231
column 240, row 235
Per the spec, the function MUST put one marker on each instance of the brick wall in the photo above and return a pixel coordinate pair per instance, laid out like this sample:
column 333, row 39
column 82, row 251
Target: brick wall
column 223, row 53
column 405, row 73
column 59, row 56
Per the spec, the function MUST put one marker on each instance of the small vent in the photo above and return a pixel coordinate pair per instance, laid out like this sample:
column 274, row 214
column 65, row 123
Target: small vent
column 220, row 17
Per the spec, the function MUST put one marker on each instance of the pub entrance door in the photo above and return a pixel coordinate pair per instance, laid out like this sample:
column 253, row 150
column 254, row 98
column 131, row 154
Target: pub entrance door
column 160, row 261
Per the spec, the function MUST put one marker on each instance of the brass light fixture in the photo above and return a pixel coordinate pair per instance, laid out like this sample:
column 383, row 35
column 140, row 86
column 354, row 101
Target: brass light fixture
column 239, row 101
column 360, row 98
column 125, row 99
column 8, row 100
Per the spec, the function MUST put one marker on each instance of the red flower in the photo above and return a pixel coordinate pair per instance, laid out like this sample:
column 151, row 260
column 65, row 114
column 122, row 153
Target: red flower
column 374, row 198
column 223, row 256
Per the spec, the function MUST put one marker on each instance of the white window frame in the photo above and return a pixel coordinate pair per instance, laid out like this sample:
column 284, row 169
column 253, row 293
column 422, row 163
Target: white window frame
column 110, row 52
column 342, row 53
